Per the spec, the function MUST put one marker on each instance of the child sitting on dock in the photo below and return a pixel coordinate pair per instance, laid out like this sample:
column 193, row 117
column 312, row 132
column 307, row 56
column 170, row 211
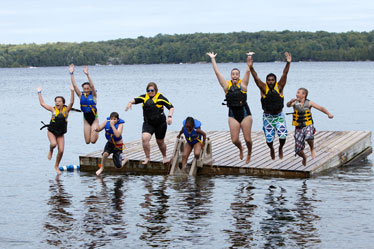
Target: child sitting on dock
column 113, row 130
column 303, row 122
column 193, row 133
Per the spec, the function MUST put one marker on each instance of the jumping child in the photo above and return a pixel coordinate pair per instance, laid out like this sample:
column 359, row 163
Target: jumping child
column 58, row 124
column 193, row 133
column 303, row 122
column 113, row 130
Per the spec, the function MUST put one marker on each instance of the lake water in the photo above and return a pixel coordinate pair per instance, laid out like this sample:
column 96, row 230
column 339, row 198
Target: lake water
column 40, row 210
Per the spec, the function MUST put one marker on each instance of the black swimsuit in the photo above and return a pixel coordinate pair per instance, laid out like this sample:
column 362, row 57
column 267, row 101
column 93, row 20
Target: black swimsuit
column 239, row 113
column 90, row 117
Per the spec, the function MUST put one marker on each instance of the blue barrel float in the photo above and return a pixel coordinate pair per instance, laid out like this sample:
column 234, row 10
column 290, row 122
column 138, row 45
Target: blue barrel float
column 69, row 168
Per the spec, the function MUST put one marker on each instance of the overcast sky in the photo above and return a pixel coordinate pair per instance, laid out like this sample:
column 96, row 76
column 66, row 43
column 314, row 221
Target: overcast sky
column 40, row 21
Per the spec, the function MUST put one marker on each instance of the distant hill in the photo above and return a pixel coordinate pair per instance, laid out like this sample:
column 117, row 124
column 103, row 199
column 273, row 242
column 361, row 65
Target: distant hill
column 191, row 48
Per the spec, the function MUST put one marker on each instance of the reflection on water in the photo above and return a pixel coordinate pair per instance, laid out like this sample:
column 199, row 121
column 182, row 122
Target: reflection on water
column 201, row 212
column 243, row 209
column 60, row 222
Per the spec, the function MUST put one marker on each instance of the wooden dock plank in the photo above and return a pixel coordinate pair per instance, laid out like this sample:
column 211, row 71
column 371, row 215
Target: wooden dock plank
column 334, row 148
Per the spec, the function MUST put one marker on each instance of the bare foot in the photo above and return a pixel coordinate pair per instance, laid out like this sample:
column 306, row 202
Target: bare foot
column 58, row 170
column 280, row 153
column 50, row 153
column 146, row 161
column 165, row 160
column 272, row 154
column 241, row 153
column 248, row 159
column 304, row 161
column 313, row 153
column 124, row 162
column 99, row 171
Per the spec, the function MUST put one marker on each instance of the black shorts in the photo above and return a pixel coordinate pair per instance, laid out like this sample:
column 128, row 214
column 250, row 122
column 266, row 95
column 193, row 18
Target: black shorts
column 239, row 113
column 159, row 129
column 117, row 154
column 90, row 117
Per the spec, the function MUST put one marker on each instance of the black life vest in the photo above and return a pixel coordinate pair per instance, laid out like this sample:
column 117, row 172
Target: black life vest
column 273, row 101
column 153, row 113
column 58, row 124
column 235, row 96
column 302, row 116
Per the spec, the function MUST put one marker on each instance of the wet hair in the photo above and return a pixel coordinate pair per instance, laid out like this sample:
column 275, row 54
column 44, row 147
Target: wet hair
column 63, row 99
column 271, row 75
column 114, row 115
column 305, row 91
column 191, row 121
column 85, row 83
column 235, row 69
column 152, row 84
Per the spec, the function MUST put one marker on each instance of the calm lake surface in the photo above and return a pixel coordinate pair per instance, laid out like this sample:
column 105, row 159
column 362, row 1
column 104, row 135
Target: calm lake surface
column 40, row 210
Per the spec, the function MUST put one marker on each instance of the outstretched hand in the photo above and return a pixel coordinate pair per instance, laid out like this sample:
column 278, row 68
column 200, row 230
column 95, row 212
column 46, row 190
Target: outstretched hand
column 330, row 116
column 39, row 89
column 85, row 70
column 71, row 68
column 71, row 88
column 212, row 55
column 129, row 105
column 288, row 57
column 249, row 61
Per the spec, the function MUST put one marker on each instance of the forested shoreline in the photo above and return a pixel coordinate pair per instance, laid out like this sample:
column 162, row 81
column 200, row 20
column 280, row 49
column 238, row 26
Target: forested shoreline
column 191, row 48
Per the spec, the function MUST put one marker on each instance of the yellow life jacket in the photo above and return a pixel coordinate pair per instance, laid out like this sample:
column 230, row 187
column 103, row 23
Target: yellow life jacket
column 302, row 116
column 273, row 100
column 152, row 111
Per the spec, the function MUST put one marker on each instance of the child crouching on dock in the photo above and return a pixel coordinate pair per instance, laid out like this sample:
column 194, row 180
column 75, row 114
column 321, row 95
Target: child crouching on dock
column 303, row 122
column 113, row 130
column 193, row 133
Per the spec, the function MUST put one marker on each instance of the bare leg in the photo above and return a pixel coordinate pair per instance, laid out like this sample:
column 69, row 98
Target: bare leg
column 94, row 135
column 197, row 149
column 124, row 161
column 52, row 144
column 146, row 137
column 186, row 154
column 281, row 144
column 246, row 126
column 312, row 150
column 272, row 153
column 234, row 132
column 303, row 156
column 60, row 144
column 86, row 131
column 162, row 146
column 103, row 159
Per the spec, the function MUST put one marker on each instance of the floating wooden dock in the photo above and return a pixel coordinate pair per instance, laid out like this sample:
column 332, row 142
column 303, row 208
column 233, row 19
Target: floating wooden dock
column 333, row 148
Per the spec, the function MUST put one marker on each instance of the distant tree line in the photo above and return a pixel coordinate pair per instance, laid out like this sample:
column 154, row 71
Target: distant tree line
column 191, row 48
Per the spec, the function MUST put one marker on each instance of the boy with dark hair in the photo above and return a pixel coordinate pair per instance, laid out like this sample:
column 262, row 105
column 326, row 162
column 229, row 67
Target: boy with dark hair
column 113, row 130
column 303, row 122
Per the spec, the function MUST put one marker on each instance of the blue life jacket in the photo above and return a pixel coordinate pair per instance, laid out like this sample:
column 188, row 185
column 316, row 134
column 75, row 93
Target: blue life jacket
column 109, row 131
column 88, row 103
column 193, row 137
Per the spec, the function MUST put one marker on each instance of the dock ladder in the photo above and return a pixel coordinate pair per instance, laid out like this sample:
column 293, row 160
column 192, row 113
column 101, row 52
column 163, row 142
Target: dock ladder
column 205, row 158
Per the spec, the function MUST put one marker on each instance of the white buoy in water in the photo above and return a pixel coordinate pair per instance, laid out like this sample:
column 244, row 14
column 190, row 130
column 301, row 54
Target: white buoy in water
column 70, row 168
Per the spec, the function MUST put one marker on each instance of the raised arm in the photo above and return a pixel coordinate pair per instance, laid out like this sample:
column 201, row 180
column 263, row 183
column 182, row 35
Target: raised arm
column 283, row 79
column 220, row 78
column 116, row 132
column 41, row 101
column 71, row 71
column 320, row 108
column 68, row 108
column 261, row 85
column 85, row 70
column 291, row 102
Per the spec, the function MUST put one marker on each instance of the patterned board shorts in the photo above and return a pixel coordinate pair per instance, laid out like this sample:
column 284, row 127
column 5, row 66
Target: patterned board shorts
column 272, row 124
column 302, row 134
